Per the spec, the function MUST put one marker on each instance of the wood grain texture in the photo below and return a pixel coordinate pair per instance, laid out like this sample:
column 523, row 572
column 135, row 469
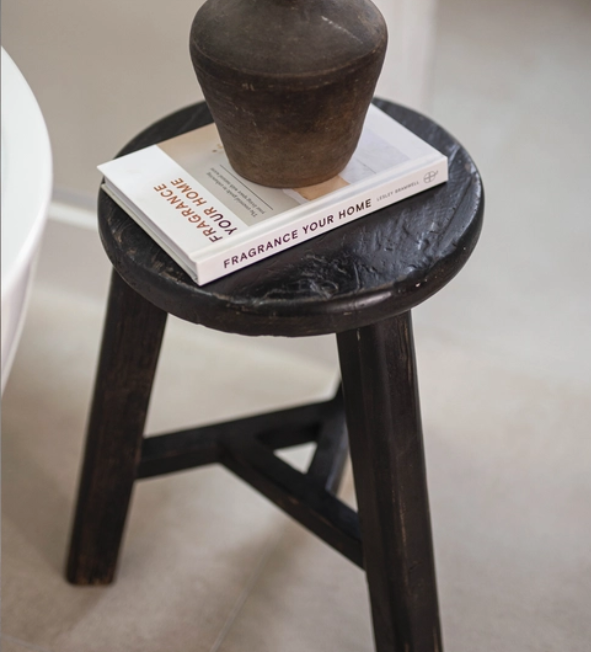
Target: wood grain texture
column 380, row 265
column 129, row 354
column 246, row 447
column 385, row 436
column 297, row 494
column 332, row 449
column 175, row 451
column 359, row 281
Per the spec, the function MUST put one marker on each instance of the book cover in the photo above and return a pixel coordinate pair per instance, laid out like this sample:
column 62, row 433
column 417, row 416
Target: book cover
column 212, row 222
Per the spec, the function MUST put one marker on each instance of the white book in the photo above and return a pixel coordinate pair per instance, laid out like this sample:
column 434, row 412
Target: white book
column 212, row 222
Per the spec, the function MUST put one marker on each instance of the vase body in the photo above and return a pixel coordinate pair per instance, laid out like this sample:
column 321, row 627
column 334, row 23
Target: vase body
column 288, row 82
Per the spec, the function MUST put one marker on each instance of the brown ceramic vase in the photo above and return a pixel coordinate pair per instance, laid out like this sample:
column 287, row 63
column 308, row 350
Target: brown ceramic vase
column 288, row 82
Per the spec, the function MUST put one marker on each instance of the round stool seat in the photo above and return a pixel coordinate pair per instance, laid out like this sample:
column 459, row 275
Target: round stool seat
column 358, row 281
column 373, row 268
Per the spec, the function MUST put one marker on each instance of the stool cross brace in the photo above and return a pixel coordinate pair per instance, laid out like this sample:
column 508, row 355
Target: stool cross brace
column 390, row 538
column 246, row 447
column 359, row 283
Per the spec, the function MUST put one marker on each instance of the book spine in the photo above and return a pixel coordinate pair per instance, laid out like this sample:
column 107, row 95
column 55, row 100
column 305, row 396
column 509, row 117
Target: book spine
column 314, row 224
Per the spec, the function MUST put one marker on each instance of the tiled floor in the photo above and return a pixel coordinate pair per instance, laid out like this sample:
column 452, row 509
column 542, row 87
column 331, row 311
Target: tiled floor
column 505, row 370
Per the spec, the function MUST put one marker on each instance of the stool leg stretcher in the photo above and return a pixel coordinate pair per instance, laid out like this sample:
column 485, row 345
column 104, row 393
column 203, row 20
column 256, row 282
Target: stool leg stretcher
column 376, row 412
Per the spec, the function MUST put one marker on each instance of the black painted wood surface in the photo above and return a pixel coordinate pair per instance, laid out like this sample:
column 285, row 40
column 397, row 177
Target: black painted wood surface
column 129, row 354
column 380, row 265
column 385, row 435
column 358, row 281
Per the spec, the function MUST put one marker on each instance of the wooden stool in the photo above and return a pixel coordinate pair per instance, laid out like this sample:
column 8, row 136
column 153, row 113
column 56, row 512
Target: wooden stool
column 359, row 281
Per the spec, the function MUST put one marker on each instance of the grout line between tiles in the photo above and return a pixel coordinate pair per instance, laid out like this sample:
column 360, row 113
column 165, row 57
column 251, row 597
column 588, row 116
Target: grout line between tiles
column 250, row 584
column 25, row 644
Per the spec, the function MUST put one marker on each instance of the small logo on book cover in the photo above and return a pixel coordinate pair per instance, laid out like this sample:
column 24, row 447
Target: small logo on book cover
column 430, row 176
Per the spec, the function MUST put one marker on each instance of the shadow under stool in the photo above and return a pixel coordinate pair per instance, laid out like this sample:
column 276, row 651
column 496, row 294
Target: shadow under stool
column 360, row 282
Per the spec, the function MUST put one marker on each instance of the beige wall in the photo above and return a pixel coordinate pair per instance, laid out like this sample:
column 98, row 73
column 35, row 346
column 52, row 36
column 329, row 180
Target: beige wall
column 103, row 70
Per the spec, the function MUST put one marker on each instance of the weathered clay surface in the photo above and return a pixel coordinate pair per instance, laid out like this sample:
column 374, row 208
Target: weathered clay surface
column 288, row 82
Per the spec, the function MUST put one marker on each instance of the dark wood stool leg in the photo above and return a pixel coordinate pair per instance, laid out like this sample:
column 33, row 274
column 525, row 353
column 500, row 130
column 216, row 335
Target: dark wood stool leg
column 385, row 437
column 130, row 348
